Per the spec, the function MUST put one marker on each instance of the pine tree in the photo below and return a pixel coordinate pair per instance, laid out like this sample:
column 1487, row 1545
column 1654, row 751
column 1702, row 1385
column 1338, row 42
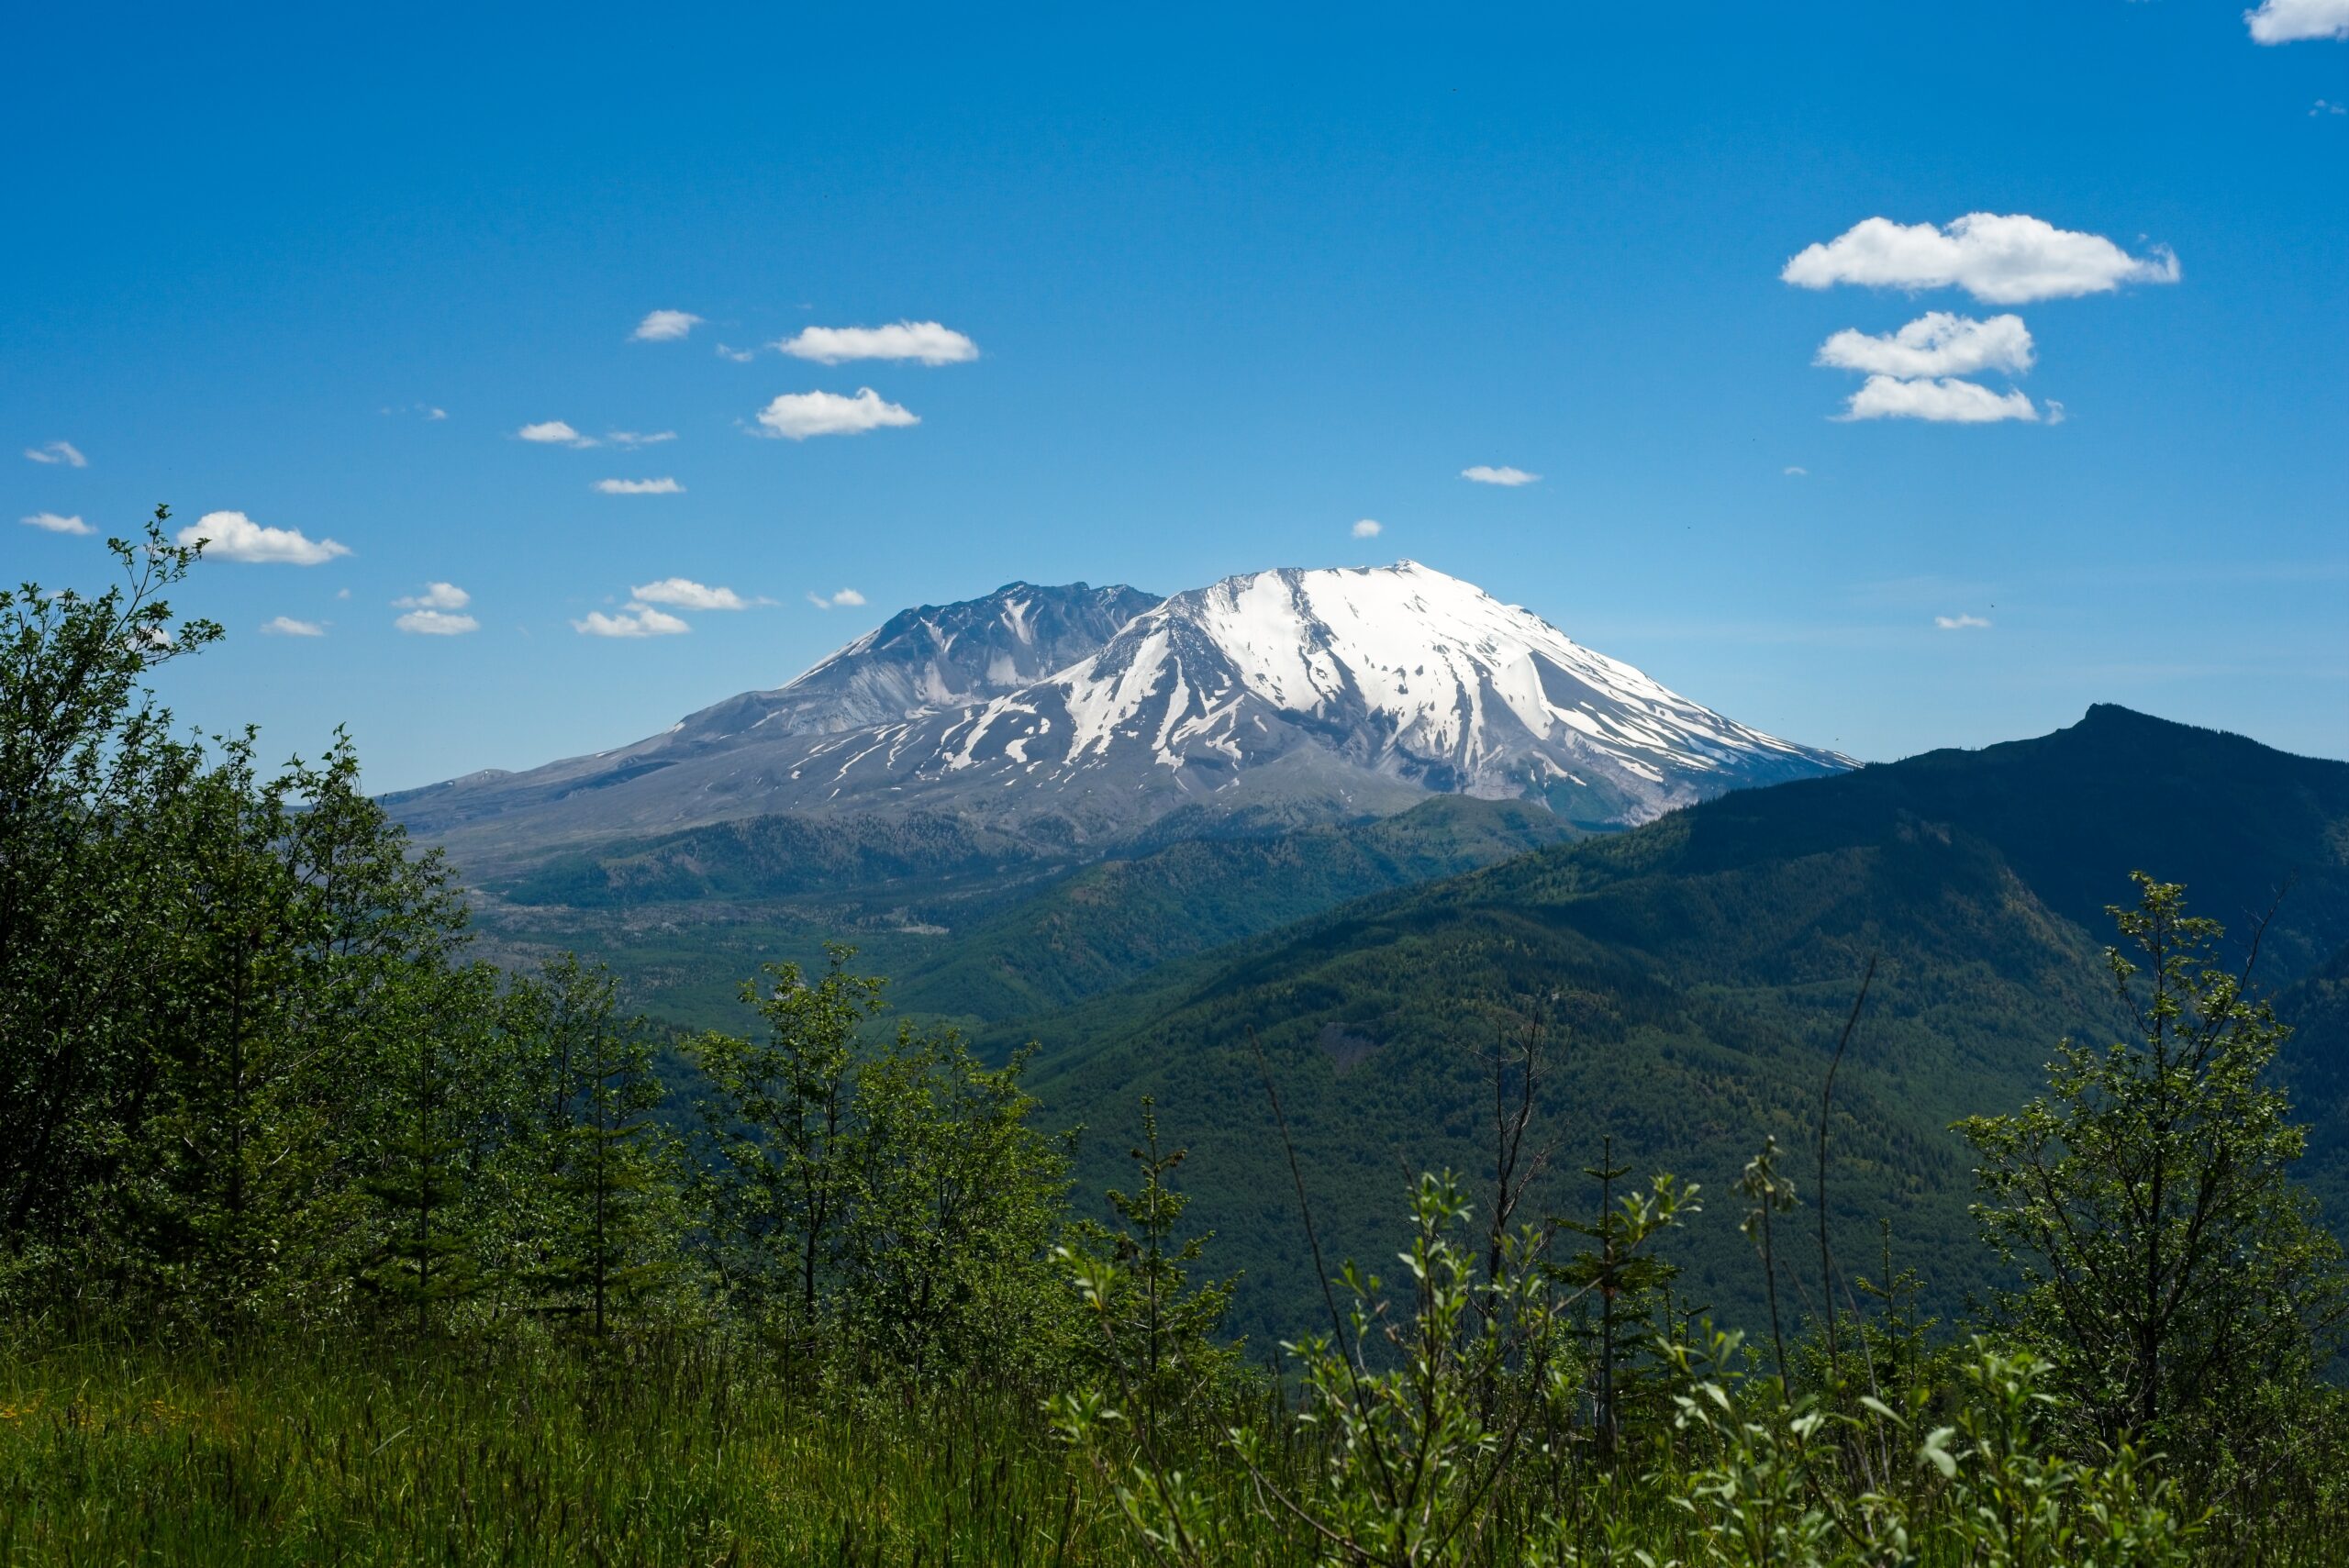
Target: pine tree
column 608, row 1167
column 1160, row 1329
column 425, row 1260
column 1631, row 1285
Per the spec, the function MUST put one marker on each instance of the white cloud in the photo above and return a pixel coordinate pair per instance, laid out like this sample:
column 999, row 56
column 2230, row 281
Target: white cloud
column 1961, row 623
column 432, row 413
column 436, row 623
column 286, row 626
column 554, row 433
column 436, row 596
column 637, row 620
column 928, row 342
column 1368, row 527
column 846, row 598
column 1483, row 474
column 2326, row 106
column 664, row 326
column 639, row 437
column 232, row 536
column 1937, row 343
column 2003, row 259
column 56, row 524
column 1944, row 402
column 1795, row 470
column 799, row 414
column 2290, row 21
column 58, row 452
column 684, row 593
column 663, row 486
column 739, row 356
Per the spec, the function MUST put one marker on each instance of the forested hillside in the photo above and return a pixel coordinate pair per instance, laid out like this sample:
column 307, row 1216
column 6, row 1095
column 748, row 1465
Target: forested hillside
column 971, row 933
column 1692, row 975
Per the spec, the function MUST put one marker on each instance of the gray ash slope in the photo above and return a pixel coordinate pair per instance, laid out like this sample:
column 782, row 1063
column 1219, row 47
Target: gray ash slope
column 1079, row 718
column 932, row 657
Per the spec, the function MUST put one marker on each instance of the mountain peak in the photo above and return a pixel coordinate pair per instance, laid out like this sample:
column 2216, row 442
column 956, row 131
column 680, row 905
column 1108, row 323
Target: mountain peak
column 1310, row 693
column 1403, row 671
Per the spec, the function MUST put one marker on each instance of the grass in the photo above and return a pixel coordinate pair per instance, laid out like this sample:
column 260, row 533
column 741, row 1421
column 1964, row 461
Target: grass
column 315, row 1454
column 342, row 1451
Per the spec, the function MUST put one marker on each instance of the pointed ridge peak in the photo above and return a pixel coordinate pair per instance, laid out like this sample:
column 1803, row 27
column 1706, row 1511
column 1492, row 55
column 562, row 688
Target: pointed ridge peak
column 2114, row 724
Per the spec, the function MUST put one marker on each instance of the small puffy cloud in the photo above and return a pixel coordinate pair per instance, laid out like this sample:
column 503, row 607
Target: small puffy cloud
column 436, row 623
column 1961, row 623
column 639, row 437
column 664, row 326
column 2291, row 21
column 554, row 433
column 847, row 598
column 1936, row 344
column 2009, row 258
column 1795, row 470
column 635, row 621
column 2326, row 106
column 684, row 593
column 663, row 486
column 56, row 453
column 433, row 613
column 57, row 525
column 739, row 356
column 286, row 626
column 1368, row 527
column 232, row 536
column 1946, row 401
column 926, row 341
column 795, row 415
column 432, row 413
column 1483, row 474
column 436, row 596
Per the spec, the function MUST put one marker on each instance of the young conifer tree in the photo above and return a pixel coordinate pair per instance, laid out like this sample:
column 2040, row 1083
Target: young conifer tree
column 424, row 1186
column 608, row 1167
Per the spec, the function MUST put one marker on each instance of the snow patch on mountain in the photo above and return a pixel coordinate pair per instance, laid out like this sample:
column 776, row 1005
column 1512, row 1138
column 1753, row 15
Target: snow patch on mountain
column 1408, row 670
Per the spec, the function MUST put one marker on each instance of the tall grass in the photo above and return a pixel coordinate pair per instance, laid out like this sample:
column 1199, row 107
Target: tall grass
column 672, row 1453
column 306, row 1453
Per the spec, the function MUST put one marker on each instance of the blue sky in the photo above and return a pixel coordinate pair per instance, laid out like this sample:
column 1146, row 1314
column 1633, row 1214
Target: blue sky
column 1234, row 283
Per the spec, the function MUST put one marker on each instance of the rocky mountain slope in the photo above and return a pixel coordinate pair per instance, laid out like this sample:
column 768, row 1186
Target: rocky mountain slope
column 1076, row 717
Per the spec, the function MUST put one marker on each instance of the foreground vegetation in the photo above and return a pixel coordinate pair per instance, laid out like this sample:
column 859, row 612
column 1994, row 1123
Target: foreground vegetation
column 320, row 1241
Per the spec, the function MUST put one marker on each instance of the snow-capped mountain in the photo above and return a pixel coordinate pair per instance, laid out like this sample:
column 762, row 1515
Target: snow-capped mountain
column 1401, row 671
column 1082, row 715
